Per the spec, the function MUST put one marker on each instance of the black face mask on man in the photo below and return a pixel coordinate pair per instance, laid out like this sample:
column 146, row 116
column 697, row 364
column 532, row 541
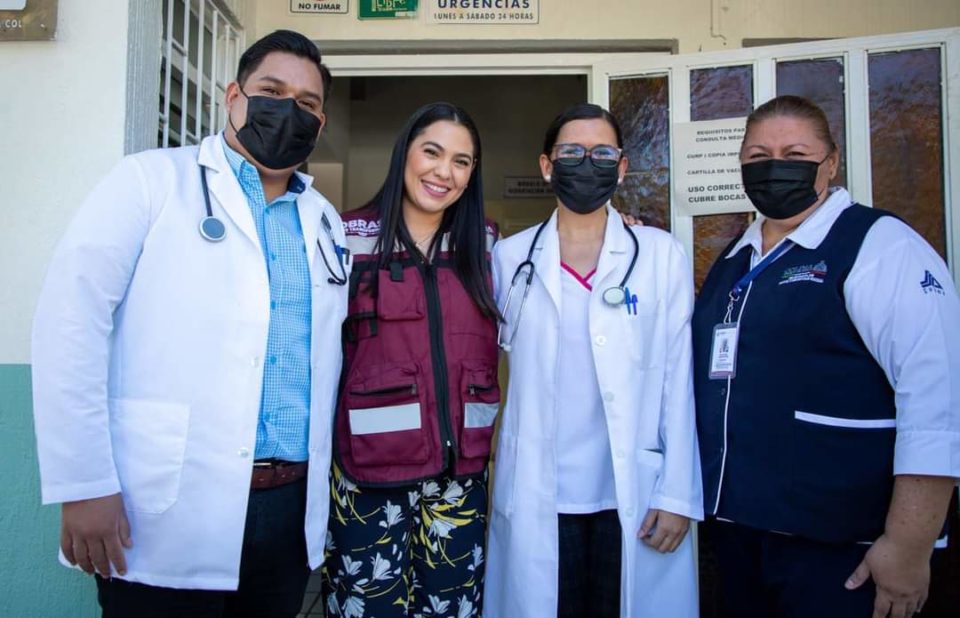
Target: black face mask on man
column 278, row 132
column 779, row 188
column 583, row 188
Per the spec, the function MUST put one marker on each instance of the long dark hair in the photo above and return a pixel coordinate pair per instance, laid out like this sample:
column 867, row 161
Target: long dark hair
column 463, row 220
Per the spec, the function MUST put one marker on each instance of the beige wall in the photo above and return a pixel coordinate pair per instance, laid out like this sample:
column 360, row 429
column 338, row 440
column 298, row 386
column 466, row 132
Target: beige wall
column 695, row 24
column 61, row 129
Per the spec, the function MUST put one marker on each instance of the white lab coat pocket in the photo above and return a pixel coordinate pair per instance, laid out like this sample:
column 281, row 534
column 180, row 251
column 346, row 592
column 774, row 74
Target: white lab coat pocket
column 641, row 332
column 505, row 474
column 149, row 442
column 648, row 471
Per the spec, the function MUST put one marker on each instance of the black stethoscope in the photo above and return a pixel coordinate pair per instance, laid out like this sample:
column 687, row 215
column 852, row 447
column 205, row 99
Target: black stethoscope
column 611, row 296
column 213, row 230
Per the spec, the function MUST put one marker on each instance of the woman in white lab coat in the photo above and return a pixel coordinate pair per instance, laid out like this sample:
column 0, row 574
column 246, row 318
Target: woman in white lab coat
column 597, row 471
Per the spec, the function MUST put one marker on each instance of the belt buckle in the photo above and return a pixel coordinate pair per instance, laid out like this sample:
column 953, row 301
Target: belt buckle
column 264, row 464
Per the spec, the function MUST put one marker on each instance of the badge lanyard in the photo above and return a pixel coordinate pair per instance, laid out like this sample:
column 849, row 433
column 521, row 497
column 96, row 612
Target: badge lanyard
column 723, row 353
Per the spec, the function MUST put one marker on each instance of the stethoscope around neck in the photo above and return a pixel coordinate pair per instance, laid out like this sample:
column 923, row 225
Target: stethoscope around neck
column 612, row 296
column 212, row 229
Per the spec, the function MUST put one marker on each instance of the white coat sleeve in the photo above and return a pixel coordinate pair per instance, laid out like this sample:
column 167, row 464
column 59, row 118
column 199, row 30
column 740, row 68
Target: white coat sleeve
column 86, row 280
column 679, row 488
column 901, row 299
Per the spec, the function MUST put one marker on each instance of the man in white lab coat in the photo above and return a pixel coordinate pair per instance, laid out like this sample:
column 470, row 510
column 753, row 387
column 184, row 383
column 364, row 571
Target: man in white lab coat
column 186, row 354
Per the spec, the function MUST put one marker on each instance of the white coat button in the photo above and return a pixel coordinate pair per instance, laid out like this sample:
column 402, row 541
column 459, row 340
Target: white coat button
column 608, row 396
column 630, row 511
column 620, row 454
column 600, row 340
column 255, row 361
column 244, row 452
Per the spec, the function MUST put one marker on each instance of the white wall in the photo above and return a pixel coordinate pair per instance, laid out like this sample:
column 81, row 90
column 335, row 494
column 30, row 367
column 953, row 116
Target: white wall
column 62, row 115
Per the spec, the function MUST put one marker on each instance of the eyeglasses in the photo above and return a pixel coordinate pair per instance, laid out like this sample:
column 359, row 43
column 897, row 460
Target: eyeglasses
column 602, row 155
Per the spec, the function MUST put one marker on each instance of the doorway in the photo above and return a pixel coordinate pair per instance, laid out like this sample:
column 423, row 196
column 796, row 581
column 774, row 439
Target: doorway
column 365, row 115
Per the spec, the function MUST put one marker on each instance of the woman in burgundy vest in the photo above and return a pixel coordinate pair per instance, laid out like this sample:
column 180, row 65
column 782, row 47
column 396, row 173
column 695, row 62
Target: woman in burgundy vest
column 419, row 393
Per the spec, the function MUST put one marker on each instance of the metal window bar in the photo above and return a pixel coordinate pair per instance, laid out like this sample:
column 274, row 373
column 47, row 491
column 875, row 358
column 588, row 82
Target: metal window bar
column 200, row 82
column 185, row 73
column 212, row 122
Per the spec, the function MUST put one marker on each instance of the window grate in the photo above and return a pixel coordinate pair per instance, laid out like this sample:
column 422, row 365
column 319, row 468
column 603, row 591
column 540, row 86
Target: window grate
column 202, row 41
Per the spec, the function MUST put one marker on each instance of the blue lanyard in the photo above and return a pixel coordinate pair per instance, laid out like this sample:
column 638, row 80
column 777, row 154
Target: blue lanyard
column 748, row 278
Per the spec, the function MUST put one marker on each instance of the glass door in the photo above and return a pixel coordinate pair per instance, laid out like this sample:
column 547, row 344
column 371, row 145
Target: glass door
column 891, row 100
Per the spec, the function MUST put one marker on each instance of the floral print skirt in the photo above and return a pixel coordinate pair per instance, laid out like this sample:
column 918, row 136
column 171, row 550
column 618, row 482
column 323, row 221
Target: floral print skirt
column 406, row 552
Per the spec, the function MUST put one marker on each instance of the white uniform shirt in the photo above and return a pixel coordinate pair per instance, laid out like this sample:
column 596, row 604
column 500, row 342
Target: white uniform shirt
column 901, row 299
column 584, row 460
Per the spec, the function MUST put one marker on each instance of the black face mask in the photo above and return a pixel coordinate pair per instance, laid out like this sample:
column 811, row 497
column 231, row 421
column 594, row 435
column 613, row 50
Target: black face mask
column 583, row 188
column 278, row 133
column 781, row 189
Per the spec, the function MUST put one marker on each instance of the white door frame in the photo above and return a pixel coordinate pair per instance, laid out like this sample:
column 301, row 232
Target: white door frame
column 401, row 65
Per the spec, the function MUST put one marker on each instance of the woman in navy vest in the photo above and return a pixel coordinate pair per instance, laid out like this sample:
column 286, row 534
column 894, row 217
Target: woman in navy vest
column 419, row 393
column 827, row 377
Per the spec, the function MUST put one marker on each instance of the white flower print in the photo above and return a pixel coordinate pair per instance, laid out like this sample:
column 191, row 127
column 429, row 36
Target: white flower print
column 437, row 605
column 413, row 497
column 393, row 515
column 332, row 608
column 353, row 608
column 381, row 568
column 352, row 567
column 453, row 493
column 440, row 528
column 430, row 489
column 477, row 558
column 345, row 484
column 464, row 608
column 329, row 544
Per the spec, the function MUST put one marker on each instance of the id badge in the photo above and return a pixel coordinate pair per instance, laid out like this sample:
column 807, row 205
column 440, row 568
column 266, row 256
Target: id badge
column 723, row 353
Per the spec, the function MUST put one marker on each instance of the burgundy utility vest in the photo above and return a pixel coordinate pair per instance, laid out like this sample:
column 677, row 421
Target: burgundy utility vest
column 419, row 392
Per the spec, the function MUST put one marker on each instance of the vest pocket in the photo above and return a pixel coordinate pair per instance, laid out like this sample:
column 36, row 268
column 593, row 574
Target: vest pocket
column 400, row 299
column 843, row 470
column 385, row 413
column 149, row 442
column 480, row 394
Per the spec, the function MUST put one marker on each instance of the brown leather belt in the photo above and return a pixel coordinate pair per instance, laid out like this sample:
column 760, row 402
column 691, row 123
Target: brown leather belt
column 270, row 474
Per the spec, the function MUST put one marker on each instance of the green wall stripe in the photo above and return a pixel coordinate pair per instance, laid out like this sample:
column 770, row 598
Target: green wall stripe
column 34, row 583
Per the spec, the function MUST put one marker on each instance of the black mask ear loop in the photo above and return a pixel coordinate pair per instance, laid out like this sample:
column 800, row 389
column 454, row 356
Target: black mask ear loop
column 833, row 147
column 230, row 116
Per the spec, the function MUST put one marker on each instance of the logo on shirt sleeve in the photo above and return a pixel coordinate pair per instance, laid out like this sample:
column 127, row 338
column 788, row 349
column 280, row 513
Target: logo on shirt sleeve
column 808, row 272
column 930, row 285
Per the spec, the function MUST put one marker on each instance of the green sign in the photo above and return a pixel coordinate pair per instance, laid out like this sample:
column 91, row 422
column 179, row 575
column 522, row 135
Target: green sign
column 371, row 9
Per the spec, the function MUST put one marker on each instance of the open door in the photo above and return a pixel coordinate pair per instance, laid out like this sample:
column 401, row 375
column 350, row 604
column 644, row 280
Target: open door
column 892, row 102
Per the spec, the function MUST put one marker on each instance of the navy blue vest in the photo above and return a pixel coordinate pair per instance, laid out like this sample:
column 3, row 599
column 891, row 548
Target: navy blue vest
column 798, row 352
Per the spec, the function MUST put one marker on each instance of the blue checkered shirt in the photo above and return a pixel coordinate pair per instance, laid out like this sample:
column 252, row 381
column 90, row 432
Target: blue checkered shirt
column 282, row 428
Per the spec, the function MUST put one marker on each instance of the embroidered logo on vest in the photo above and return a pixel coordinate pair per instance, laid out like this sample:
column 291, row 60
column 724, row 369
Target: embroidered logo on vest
column 361, row 227
column 809, row 272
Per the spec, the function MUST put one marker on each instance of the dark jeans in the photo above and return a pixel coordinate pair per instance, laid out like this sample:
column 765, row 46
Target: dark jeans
column 772, row 575
column 273, row 570
column 589, row 582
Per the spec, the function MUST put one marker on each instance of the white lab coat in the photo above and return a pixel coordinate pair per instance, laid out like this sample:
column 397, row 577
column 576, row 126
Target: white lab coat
column 643, row 365
column 148, row 348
